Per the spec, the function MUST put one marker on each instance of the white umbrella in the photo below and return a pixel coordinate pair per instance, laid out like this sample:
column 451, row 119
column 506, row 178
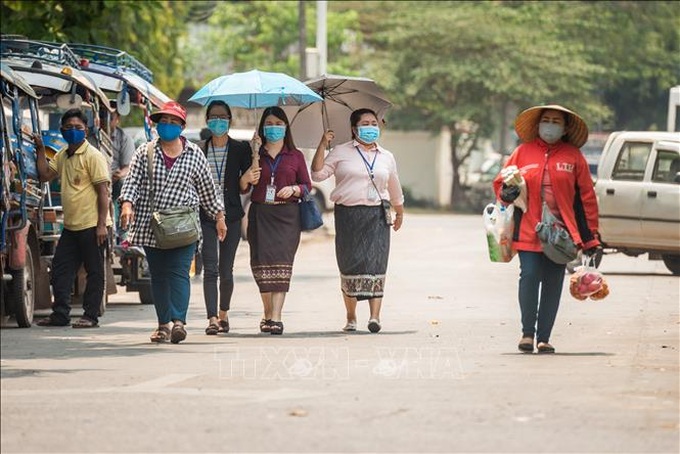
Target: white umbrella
column 341, row 95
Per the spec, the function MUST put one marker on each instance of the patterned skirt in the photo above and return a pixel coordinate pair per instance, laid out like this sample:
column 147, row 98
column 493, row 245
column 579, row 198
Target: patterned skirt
column 274, row 237
column 362, row 247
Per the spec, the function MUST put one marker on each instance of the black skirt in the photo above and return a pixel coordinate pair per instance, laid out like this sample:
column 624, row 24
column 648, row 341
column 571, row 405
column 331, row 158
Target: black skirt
column 362, row 247
column 274, row 237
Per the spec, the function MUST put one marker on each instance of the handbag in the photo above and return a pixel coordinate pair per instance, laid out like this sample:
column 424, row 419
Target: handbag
column 173, row 227
column 555, row 239
column 310, row 215
column 499, row 225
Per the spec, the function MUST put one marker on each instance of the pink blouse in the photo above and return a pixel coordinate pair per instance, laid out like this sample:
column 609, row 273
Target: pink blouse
column 351, row 166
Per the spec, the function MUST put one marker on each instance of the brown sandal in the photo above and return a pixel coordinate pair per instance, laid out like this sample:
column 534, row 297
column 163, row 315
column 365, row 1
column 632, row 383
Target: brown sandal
column 212, row 329
column 265, row 325
column 178, row 334
column 224, row 326
column 162, row 334
column 84, row 322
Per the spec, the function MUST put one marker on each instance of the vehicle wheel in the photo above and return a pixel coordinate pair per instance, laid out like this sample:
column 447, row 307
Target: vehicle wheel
column 21, row 297
column 672, row 262
column 145, row 296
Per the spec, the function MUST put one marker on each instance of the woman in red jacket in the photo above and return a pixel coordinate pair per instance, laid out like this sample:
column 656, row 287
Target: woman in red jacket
column 554, row 170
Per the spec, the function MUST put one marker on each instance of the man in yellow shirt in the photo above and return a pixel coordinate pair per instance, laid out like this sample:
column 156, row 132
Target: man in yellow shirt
column 85, row 179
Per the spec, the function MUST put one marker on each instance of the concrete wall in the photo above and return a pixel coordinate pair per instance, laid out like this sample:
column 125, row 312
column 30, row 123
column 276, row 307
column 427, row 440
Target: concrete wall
column 424, row 163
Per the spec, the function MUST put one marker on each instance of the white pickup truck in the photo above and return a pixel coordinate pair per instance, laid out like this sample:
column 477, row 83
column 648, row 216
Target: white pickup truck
column 638, row 194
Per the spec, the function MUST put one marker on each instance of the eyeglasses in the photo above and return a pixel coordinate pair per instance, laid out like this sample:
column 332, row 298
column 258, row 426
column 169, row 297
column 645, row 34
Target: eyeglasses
column 219, row 117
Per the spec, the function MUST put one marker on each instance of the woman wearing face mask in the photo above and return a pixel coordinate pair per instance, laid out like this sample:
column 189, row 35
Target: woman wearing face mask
column 274, row 215
column 230, row 162
column 365, row 174
column 556, row 172
column 180, row 178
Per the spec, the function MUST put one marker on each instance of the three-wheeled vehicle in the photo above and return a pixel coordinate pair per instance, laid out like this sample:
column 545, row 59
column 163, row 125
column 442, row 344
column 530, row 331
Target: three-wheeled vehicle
column 127, row 80
column 21, row 201
column 51, row 70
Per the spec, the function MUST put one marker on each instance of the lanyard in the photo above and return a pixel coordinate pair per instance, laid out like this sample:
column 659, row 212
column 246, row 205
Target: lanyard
column 224, row 157
column 369, row 167
column 273, row 167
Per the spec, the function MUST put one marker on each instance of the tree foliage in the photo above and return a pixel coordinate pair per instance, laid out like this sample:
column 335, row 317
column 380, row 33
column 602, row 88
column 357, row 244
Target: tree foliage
column 148, row 30
column 265, row 35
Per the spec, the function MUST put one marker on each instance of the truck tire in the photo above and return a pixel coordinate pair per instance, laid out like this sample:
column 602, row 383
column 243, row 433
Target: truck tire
column 21, row 297
column 145, row 296
column 672, row 262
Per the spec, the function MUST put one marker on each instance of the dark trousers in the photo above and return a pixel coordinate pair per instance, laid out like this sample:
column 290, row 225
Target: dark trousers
column 539, row 276
column 75, row 248
column 170, row 283
column 218, row 261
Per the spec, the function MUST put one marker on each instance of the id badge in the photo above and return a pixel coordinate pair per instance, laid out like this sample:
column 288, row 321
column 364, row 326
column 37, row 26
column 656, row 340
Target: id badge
column 372, row 193
column 271, row 194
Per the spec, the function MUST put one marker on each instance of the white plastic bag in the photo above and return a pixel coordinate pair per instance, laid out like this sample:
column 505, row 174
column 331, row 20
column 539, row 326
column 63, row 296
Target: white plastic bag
column 499, row 225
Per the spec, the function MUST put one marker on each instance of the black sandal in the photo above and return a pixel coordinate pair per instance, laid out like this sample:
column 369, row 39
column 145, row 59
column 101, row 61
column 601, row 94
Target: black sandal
column 276, row 327
column 212, row 329
column 224, row 326
column 265, row 325
column 178, row 334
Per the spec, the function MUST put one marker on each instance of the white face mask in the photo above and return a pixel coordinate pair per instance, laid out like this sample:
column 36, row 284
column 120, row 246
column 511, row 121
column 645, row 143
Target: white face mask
column 550, row 132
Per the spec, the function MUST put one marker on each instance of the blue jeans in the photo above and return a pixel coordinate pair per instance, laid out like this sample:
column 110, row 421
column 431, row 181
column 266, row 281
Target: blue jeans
column 539, row 276
column 218, row 262
column 170, row 283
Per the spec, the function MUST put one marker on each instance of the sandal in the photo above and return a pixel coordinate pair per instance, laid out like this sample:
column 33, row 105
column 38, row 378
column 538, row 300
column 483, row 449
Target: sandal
column 276, row 328
column 374, row 325
column 52, row 321
column 212, row 329
column 266, row 325
column 162, row 334
column 545, row 348
column 526, row 344
column 350, row 326
column 84, row 322
column 178, row 334
column 224, row 326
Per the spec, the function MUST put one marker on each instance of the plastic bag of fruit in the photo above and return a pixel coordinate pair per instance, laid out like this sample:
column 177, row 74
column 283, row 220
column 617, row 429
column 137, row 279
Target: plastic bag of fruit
column 588, row 282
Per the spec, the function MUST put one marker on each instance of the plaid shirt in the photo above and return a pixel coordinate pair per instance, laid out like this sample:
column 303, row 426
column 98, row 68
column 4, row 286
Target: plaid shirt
column 187, row 183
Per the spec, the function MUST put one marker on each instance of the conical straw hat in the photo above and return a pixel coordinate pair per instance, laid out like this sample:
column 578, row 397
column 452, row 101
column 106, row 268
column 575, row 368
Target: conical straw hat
column 526, row 125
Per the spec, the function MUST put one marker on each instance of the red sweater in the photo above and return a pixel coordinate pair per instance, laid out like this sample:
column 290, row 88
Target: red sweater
column 572, row 187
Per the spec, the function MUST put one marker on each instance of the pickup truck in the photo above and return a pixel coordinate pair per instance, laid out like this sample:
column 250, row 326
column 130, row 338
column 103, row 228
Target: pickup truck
column 638, row 194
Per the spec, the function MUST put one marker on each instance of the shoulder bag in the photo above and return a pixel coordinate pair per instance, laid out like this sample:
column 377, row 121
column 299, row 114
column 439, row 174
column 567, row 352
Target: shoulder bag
column 173, row 227
column 555, row 239
column 310, row 215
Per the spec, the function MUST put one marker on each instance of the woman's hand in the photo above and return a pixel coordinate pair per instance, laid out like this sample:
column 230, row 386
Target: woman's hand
column 398, row 219
column 287, row 192
column 326, row 138
column 127, row 215
column 221, row 227
column 252, row 175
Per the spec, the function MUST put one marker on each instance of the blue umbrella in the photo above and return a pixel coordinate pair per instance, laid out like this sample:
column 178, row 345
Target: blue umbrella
column 255, row 90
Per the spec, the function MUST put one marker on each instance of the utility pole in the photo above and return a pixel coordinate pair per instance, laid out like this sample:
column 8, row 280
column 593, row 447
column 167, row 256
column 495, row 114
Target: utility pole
column 302, row 40
column 321, row 44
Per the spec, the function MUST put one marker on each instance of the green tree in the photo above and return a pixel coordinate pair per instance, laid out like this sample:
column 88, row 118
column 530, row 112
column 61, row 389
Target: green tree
column 148, row 30
column 463, row 68
column 264, row 35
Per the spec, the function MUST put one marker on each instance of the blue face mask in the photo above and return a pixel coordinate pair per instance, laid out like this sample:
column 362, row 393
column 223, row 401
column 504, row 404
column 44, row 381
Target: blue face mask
column 218, row 126
column 368, row 134
column 274, row 133
column 550, row 132
column 168, row 131
column 73, row 136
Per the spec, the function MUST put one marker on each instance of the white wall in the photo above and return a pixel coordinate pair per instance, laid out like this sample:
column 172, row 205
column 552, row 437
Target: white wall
column 424, row 163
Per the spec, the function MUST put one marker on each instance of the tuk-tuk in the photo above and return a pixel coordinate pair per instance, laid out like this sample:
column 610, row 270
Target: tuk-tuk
column 22, row 225
column 51, row 70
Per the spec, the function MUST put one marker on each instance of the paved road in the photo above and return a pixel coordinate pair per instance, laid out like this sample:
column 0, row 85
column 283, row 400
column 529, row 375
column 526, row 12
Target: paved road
column 443, row 376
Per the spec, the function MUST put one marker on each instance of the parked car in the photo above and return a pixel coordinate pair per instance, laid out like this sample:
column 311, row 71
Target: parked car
column 638, row 192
